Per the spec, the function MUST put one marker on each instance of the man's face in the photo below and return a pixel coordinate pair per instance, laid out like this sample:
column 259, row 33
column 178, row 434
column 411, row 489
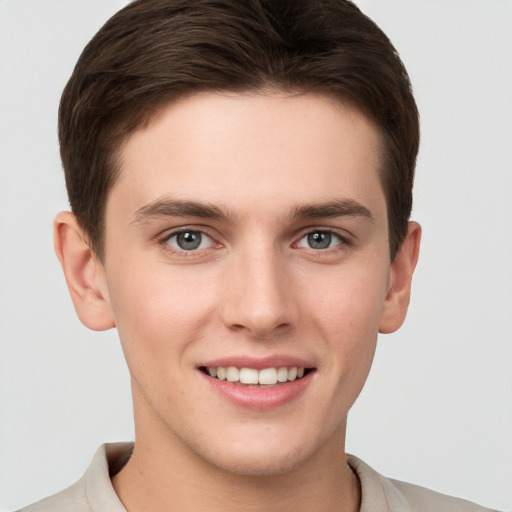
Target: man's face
column 248, row 231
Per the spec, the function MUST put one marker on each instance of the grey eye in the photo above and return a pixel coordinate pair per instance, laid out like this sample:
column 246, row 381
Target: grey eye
column 189, row 240
column 320, row 240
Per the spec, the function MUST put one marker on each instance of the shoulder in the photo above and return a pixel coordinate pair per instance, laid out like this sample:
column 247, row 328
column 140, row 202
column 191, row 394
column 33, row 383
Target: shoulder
column 426, row 500
column 94, row 491
column 73, row 498
column 385, row 494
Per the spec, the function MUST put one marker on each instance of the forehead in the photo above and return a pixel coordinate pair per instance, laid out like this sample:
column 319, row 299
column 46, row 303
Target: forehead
column 245, row 150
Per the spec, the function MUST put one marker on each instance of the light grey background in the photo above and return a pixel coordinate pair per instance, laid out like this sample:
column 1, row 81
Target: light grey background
column 437, row 409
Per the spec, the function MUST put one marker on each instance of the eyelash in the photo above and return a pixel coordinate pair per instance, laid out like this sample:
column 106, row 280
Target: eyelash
column 163, row 240
column 343, row 241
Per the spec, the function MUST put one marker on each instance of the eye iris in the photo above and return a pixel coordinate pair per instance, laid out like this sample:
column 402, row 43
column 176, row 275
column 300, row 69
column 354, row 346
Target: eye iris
column 319, row 240
column 188, row 240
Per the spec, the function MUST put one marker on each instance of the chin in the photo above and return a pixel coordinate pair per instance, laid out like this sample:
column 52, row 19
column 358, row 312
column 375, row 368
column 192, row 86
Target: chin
column 268, row 464
column 259, row 457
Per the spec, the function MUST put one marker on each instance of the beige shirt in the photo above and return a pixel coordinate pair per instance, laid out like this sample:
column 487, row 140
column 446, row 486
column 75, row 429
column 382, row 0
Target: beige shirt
column 94, row 491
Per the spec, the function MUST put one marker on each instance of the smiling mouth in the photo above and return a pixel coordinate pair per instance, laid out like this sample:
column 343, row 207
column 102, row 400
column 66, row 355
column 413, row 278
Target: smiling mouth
column 267, row 377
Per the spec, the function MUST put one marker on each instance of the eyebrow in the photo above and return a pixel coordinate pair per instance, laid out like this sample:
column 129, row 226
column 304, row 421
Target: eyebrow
column 339, row 208
column 184, row 208
column 179, row 208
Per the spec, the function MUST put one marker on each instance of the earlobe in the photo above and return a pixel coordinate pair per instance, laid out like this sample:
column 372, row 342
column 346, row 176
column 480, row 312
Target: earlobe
column 84, row 273
column 402, row 268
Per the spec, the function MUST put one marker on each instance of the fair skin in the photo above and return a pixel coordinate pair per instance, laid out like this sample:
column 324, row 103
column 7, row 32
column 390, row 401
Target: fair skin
column 285, row 265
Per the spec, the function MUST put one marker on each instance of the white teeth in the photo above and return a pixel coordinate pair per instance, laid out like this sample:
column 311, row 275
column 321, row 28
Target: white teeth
column 248, row 376
column 282, row 374
column 265, row 377
column 268, row 376
column 232, row 374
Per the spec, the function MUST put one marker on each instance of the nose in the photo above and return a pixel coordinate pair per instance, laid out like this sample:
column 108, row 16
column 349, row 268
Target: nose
column 259, row 298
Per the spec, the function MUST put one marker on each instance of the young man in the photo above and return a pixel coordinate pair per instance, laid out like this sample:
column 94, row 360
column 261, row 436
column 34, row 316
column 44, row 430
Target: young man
column 240, row 175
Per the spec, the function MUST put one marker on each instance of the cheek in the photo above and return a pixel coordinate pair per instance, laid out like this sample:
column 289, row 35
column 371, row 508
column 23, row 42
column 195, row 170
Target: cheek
column 350, row 301
column 347, row 314
column 158, row 313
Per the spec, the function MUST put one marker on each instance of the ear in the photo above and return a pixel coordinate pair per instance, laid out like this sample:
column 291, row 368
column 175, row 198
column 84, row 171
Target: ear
column 397, row 300
column 84, row 273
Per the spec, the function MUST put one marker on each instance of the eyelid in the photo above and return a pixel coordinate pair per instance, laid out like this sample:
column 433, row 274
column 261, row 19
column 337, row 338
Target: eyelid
column 342, row 234
column 341, row 240
column 163, row 238
column 203, row 239
column 168, row 232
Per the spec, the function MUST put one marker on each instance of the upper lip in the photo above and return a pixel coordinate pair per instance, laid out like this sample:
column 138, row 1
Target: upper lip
column 275, row 361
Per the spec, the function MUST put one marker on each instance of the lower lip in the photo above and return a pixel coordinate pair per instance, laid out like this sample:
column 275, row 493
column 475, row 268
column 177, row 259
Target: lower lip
column 253, row 397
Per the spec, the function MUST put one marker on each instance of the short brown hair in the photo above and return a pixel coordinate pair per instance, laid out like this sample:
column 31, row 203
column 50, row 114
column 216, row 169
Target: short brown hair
column 153, row 51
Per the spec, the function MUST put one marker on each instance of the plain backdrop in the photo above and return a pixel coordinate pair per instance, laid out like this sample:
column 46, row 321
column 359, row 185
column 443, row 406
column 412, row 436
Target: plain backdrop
column 437, row 408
